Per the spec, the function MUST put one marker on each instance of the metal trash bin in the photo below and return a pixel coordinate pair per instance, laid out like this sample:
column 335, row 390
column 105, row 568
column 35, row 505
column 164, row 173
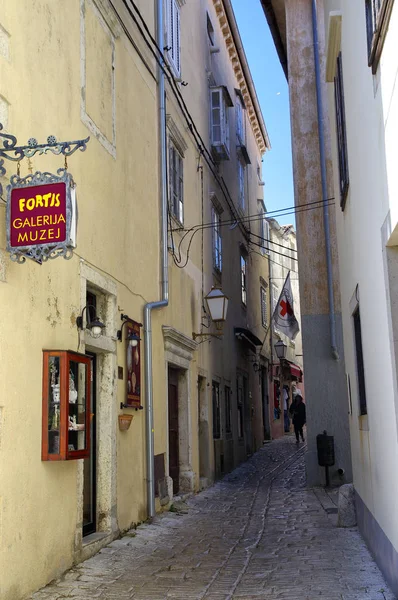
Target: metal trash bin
column 325, row 449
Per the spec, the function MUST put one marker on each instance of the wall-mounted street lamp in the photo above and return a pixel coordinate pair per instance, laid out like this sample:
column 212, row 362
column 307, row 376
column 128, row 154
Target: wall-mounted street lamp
column 217, row 306
column 280, row 349
column 93, row 323
column 132, row 338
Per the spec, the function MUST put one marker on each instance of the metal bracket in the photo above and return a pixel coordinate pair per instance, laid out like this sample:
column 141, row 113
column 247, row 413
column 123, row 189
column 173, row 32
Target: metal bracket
column 197, row 335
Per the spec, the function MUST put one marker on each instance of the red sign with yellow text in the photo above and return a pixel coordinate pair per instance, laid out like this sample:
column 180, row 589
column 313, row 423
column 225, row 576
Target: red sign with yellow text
column 38, row 215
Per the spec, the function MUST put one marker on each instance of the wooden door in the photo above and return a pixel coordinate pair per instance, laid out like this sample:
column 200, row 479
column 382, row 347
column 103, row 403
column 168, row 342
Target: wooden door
column 90, row 463
column 174, row 459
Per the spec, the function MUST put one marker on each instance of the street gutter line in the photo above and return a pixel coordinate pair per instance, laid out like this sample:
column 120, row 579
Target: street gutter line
column 250, row 514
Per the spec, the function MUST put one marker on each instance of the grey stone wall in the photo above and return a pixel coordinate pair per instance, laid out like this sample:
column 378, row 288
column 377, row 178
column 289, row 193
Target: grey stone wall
column 326, row 398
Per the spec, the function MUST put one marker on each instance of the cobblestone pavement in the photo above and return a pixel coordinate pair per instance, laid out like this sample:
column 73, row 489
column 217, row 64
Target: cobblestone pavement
column 258, row 534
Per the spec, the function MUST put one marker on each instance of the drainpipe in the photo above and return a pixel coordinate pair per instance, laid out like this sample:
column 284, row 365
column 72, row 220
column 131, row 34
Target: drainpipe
column 326, row 223
column 165, row 277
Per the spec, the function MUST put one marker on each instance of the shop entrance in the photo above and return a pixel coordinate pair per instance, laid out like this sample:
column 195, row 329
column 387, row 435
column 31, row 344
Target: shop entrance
column 90, row 463
column 265, row 403
column 174, row 454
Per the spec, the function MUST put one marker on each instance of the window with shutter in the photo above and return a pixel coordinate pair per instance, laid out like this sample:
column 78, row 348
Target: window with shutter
column 239, row 122
column 264, row 233
column 176, row 183
column 228, row 410
column 341, row 132
column 216, row 117
column 174, row 36
column 263, row 300
column 217, row 241
column 219, row 123
column 378, row 13
column 241, row 182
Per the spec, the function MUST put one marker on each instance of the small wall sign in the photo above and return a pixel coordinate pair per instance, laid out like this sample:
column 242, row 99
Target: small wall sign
column 41, row 216
column 133, row 367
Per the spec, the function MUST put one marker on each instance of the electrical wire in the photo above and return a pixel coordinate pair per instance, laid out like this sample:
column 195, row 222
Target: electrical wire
column 256, row 216
column 185, row 112
column 201, row 146
column 196, row 228
column 274, row 251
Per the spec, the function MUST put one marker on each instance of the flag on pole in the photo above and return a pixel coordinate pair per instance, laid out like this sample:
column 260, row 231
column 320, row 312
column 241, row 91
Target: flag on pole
column 283, row 315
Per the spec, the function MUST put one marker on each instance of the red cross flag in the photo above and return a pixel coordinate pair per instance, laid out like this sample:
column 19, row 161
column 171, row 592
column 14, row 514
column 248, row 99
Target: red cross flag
column 283, row 315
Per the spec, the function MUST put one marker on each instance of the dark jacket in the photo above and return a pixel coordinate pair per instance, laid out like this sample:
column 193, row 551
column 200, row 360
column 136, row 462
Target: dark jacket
column 298, row 411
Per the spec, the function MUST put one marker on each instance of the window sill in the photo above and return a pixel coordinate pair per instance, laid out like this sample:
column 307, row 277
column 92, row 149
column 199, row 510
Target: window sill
column 92, row 538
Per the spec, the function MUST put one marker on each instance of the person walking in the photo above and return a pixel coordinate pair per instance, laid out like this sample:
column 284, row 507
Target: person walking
column 285, row 408
column 297, row 410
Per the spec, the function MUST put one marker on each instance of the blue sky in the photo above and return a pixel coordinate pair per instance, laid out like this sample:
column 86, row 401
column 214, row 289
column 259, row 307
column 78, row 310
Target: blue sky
column 272, row 91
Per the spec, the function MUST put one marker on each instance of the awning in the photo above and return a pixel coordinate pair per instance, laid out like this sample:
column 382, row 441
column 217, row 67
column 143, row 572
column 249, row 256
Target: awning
column 295, row 370
column 245, row 335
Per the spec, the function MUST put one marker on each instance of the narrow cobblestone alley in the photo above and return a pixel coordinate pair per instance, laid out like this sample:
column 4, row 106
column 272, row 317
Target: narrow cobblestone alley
column 258, row 534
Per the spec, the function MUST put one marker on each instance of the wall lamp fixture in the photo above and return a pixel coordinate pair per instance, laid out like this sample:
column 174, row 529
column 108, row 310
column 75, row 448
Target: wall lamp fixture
column 217, row 306
column 132, row 338
column 280, row 349
column 93, row 323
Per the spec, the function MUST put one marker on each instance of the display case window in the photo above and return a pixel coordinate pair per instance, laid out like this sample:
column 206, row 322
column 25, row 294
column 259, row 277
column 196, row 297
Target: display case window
column 66, row 405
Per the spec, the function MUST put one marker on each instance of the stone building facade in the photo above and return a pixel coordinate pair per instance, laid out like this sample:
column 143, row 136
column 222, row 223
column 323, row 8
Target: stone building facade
column 93, row 69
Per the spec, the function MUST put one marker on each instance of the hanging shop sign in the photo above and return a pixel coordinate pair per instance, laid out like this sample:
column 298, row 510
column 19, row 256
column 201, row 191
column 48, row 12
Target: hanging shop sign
column 41, row 207
column 133, row 366
column 41, row 216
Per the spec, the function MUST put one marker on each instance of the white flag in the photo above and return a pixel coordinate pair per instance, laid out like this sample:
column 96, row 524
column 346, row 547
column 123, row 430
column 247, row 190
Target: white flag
column 283, row 315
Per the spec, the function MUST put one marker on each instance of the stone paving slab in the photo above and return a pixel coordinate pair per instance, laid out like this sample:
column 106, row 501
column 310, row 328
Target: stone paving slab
column 258, row 534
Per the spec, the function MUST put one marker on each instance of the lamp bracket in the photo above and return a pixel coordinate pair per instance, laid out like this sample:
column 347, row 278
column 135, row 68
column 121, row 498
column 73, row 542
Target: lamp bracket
column 79, row 319
column 125, row 319
column 197, row 335
column 122, row 406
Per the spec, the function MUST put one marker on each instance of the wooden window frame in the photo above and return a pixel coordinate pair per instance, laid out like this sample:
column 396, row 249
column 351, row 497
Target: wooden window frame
column 228, row 409
column 341, row 132
column 216, row 406
column 243, row 279
column 210, row 30
column 176, row 182
column 378, row 13
column 360, row 367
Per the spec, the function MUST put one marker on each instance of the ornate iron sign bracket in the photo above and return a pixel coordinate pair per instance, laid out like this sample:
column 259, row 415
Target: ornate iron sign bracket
column 10, row 151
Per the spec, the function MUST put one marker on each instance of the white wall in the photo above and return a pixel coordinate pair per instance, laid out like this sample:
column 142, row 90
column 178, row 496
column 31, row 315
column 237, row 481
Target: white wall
column 371, row 107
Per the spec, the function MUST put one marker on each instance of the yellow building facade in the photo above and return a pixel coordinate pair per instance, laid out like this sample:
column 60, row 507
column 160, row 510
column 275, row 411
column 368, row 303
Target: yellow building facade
column 94, row 68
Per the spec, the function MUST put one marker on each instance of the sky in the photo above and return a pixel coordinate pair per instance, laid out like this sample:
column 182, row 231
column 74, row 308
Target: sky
column 273, row 95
